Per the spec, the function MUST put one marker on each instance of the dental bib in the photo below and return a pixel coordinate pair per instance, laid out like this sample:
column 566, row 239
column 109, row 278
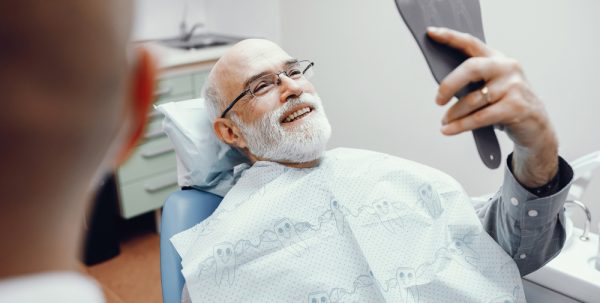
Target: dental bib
column 360, row 227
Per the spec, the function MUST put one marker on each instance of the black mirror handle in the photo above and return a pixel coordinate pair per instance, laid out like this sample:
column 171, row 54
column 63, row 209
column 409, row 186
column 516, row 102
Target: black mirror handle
column 460, row 15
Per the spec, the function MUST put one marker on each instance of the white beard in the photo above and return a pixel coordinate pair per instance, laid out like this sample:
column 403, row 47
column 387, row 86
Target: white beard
column 267, row 139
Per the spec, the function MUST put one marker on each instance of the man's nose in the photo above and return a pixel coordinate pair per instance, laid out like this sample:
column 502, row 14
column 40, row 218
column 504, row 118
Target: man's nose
column 289, row 88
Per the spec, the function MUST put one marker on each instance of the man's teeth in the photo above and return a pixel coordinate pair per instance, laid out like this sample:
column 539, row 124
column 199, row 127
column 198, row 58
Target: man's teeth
column 296, row 114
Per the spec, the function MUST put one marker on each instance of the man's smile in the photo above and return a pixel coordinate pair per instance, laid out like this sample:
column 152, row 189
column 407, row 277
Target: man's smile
column 297, row 113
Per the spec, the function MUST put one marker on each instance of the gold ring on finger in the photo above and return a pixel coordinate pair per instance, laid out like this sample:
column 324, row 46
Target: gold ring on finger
column 485, row 92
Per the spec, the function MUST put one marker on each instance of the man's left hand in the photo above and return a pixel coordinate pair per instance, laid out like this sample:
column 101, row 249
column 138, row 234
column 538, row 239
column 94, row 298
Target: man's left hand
column 509, row 102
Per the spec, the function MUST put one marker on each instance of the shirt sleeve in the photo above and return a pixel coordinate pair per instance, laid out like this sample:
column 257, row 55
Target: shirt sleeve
column 529, row 227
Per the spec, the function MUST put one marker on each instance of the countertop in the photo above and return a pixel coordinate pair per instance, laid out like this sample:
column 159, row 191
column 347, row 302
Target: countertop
column 572, row 272
column 172, row 60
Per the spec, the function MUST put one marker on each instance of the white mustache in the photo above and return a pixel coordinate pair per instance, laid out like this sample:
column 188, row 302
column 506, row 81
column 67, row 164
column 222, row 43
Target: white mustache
column 269, row 140
column 305, row 98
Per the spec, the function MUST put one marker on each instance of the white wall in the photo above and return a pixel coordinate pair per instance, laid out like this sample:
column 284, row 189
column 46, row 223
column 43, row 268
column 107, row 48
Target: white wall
column 245, row 18
column 156, row 19
column 378, row 91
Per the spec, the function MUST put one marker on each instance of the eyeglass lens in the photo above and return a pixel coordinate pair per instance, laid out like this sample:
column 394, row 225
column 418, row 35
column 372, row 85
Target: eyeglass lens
column 297, row 71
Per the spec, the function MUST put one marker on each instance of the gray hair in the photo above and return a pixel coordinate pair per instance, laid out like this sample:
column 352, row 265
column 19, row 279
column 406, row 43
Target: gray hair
column 212, row 98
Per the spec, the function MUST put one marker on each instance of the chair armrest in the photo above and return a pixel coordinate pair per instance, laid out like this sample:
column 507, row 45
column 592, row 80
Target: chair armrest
column 182, row 210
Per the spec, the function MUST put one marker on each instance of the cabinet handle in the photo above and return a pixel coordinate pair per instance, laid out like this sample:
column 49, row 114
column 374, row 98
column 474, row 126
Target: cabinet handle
column 157, row 152
column 163, row 92
column 154, row 134
column 160, row 183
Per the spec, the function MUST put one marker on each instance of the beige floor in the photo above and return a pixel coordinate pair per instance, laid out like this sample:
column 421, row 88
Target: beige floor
column 134, row 275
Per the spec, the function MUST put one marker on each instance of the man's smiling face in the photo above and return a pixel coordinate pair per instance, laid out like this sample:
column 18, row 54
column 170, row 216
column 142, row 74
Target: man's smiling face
column 282, row 122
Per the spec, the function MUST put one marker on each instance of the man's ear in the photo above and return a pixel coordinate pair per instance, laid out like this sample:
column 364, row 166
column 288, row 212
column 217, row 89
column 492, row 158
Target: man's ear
column 229, row 133
column 141, row 97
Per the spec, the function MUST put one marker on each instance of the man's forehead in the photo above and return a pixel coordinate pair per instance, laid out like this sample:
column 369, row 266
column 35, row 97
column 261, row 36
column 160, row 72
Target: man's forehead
column 249, row 58
column 260, row 59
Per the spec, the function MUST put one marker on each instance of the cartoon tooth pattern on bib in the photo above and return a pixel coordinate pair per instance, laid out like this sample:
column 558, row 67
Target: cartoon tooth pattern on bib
column 360, row 227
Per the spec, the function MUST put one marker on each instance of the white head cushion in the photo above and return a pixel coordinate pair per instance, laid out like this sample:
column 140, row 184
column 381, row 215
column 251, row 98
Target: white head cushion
column 203, row 161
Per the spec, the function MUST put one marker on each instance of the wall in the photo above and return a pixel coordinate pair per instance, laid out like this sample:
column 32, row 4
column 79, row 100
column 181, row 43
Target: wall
column 156, row 19
column 245, row 18
column 379, row 93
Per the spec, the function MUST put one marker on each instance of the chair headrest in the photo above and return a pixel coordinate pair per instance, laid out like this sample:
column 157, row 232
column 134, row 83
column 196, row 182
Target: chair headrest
column 203, row 161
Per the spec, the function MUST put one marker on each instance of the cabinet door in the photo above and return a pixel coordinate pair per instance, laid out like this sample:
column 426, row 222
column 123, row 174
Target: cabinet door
column 147, row 194
column 173, row 88
column 150, row 174
column 147, row 160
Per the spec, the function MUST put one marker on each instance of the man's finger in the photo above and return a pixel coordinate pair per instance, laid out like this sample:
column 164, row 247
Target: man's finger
column 468, row 44
column 491, row 115
column 472, row 70
column 474, row 101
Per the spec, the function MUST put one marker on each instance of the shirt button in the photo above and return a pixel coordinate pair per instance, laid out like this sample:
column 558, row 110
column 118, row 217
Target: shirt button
column 533, row 213
column 514, row 201
column 522, row 256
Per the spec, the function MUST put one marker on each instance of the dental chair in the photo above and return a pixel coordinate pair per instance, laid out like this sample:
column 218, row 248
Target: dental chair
column 182, row 210
column 201, row 157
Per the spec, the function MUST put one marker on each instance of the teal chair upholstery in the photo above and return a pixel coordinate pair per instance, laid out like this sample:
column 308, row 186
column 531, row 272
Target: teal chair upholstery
column 182, row 210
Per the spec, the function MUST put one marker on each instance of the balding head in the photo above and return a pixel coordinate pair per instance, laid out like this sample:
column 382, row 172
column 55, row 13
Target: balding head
column 64, row 77
column 278, row 115
column 227, row 77
column 72, row 98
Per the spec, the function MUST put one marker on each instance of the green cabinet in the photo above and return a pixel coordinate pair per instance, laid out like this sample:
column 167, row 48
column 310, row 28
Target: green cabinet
column 150, row 174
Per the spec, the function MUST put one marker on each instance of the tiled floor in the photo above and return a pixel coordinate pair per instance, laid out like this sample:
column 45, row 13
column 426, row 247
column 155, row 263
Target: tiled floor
column 134, row 275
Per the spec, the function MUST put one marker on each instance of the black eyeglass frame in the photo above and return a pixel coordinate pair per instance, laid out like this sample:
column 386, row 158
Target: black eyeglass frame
column 246, row 91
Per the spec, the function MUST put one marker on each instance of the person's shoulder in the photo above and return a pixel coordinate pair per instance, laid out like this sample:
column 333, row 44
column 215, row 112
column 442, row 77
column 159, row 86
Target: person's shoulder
column 346, row 153
column 354, row 156
column 63, row 287
column 343, row 156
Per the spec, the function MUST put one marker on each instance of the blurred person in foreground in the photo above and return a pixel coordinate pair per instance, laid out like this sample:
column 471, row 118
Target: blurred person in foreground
column 74, row 102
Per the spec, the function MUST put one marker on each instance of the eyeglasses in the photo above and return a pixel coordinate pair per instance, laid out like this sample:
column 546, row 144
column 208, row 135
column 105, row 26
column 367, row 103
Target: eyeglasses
column 263, row 85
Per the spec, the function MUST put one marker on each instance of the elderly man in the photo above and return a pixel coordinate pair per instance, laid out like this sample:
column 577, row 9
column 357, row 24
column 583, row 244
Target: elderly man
column 302, row 224
column 74, row 102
